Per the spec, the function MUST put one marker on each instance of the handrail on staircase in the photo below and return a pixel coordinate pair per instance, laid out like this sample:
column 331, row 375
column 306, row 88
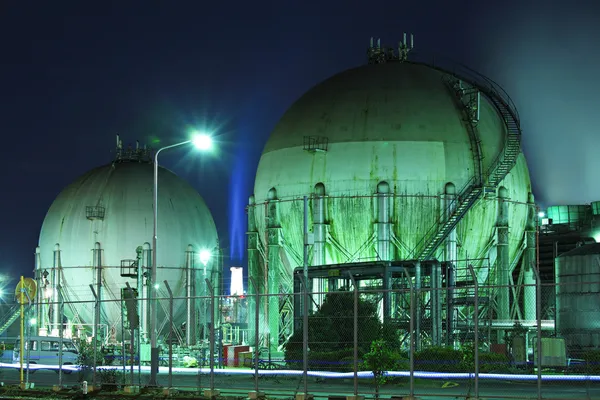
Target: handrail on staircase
column 444, row 216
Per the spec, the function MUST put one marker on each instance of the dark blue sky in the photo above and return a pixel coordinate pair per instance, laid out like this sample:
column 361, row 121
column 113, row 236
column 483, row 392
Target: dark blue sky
column 72, row 75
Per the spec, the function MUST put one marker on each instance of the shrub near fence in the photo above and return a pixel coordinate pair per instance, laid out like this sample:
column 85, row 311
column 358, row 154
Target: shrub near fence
column 447, row 359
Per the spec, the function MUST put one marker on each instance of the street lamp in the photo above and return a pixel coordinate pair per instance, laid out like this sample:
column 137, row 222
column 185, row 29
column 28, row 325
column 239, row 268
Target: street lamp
column 201, row 142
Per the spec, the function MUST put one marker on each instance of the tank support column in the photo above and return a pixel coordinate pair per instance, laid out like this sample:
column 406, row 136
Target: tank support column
column 190, row 318
column 436, row 303
column 319, row 209
column 56, row 318
column 255, row 270
column 502, row 261
column 98, row 278
column 273, row 268
column 450, row 257
column 529, row 262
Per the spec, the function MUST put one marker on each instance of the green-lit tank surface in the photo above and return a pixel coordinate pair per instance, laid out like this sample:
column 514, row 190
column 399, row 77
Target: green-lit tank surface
column 398, row 127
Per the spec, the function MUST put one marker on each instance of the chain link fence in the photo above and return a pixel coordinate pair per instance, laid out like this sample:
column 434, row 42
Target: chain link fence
column 410, row 340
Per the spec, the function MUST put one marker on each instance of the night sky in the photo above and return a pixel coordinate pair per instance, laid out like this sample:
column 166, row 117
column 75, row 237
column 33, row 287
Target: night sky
column 73, row 75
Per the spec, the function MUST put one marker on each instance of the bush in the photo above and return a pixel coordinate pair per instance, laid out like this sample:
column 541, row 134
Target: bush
column 439, row 359
column 447, row 359
column 493, row 362
column 111, row 379
column 592, row 361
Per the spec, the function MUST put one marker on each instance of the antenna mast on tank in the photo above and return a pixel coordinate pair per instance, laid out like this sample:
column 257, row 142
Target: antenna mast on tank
column 141, row 154
column 377, row 54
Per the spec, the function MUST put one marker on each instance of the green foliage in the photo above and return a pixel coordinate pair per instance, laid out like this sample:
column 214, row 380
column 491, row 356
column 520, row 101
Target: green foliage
column 85, row 358
column 447, row 359
column 592, row 359
column 438, row 359
column 380, row 359
column 111, row 379
column 331, row 337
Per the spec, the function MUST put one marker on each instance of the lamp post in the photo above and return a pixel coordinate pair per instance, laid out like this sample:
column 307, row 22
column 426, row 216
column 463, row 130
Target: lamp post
column 201, row 142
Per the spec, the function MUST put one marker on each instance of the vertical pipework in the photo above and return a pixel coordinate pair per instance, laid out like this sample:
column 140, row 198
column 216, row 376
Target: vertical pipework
column 383, row 221
column 190, row 280
column 502, row 261
column 417, row 308
column 144, row 271
column 436, row 303
column 274, row 266
column 139, row 260
column 254, row 270
column 56, row 318
column 39, row 297
column 450, row 256
column 320, row 236
column 529, row 262
column 97, row 253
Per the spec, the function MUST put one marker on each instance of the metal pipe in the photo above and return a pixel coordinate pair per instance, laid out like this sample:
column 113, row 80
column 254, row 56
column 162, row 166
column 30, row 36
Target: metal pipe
column 476, row 328
column 383, row 221
column 529, row 288
column 450, row 257
column 190, row 321
column 539, row 332
column 131, row 333
column 436, row 303
column 411, row 350
column 145, row 290
column 355, row 334
column 98, row 304
column 55, row 284
column 320, row 238
column 60, row 338
column 154, row 300
column 40, row 292
column 305, row 301
column 417, row 306
column 95, row 330
column 212, row 335
column 502, row 261
column 170, row 333
column 256, row 328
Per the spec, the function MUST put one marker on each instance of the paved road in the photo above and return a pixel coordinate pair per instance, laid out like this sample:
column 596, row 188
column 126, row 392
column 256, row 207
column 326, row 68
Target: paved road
column 287, row 386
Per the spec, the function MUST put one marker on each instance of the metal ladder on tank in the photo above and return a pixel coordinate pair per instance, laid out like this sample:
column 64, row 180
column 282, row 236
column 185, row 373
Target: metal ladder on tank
column 496, row 173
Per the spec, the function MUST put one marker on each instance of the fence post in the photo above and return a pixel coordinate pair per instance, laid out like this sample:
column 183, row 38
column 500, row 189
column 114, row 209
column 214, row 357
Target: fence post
column 412, row 333
column 305, row 334
column 61, row 333
column 355, row 329
column 538, row 306
column 170, row 333
column 256, row 337
column 212, row 393
column 95, row 330
column 131, row 334
column 476, row 328
column 27, row 335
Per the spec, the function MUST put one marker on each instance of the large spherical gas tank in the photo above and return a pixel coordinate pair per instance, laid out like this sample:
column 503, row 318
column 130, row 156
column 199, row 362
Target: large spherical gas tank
column 105, row 218
column 393, row 126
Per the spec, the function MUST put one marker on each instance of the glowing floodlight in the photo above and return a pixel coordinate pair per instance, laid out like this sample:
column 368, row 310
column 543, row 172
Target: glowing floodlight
column 204, row 257
column 202, row 141
column 541, row 214
column 32, row 321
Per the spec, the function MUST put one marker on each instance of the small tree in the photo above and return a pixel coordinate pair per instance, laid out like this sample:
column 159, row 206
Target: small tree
column 379, row 360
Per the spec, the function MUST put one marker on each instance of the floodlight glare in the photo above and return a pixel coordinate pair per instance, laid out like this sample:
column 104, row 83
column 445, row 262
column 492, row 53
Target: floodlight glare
column 202, row 141
column 204, row 257
column 541, row 214
column 156, row 286
column 32, row 321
